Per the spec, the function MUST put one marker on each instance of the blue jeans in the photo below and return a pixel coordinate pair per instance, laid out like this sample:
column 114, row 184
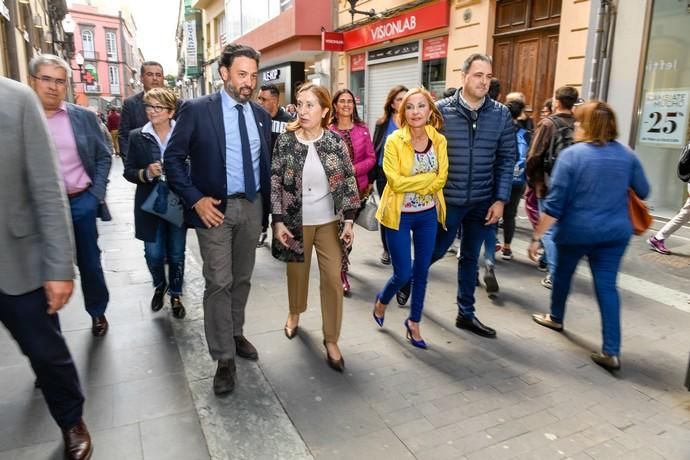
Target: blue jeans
column 490, row 246
column 604, row 261
column 170, row 245
column 550, row 254
column 423, row 226
column 84, row 208
column 470, row 221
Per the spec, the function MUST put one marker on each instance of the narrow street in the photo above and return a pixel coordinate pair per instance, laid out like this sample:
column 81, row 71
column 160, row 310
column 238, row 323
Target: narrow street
column 529, row 394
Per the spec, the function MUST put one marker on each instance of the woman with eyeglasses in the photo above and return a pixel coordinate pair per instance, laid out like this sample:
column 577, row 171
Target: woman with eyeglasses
column 354, row 132
column 163, row 241
column 384, row 127
column 587, row 204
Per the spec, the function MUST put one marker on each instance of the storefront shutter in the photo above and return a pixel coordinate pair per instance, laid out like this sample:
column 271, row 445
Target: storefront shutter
column 381, row 78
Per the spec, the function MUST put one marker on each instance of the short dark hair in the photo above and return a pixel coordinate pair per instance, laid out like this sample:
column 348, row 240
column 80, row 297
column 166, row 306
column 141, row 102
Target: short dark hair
column 567, row 96
column 516, row 107
column 475, row 57
column 230, row 52
column 273, row 89
column 494, row 88
column 149, row 63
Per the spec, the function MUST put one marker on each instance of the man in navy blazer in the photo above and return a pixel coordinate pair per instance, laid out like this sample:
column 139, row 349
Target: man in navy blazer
column 84, row 159
column 218, row 161
column 133, row 112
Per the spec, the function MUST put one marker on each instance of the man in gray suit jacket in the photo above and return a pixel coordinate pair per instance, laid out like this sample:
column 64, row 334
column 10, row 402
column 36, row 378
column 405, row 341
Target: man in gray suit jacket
column 36, row 258
column 84, row 160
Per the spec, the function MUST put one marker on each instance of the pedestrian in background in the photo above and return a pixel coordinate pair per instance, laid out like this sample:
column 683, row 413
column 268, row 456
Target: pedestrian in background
column 416, row 166
column 113, row 125
column 354, row 132
column 84, row 158
column 549, row 137
column 218, row 162
column 37, row 256
column 133, row 113
column 385, row 125
column 163, row 240
column 314, row 199
column 587, row 207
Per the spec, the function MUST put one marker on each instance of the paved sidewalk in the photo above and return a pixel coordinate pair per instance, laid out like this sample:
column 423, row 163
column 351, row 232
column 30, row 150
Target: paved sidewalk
column 529, row 394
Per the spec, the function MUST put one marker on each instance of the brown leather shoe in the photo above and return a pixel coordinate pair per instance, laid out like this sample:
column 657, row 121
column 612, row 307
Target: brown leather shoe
column 244, row 349
column 99, row 326
column 78, row 442
column 224, row 380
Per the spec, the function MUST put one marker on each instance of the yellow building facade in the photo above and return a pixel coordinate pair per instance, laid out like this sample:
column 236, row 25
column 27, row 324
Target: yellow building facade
column 537, row 46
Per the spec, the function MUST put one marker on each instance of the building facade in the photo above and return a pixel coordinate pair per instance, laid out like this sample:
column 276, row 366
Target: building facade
column 110, row 68
column 537, row 45
column 214, row 38
column 29, row 28
column 645, row 76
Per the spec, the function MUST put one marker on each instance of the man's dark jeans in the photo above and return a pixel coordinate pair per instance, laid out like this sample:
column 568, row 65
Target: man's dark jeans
column 470, row 220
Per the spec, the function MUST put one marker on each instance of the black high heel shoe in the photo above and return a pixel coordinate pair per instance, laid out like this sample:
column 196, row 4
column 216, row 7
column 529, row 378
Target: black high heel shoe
column 335, row 364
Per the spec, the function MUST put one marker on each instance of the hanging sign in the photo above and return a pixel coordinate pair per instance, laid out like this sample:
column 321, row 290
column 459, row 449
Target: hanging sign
column 332, row 41
column 664, row 119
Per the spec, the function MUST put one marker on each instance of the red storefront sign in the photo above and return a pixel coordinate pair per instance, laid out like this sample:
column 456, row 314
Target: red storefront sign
column 435, row 48
column 332, row 41
column 357, row 62
column 408, row 23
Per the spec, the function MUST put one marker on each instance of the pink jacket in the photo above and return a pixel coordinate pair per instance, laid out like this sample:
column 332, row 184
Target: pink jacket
column 364, row 157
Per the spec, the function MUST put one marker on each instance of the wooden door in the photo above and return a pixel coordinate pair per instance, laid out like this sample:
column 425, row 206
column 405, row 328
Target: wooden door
column 527, row 63
column 525, row 49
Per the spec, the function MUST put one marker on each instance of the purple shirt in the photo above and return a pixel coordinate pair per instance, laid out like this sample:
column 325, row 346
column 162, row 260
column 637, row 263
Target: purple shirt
column 73, row 173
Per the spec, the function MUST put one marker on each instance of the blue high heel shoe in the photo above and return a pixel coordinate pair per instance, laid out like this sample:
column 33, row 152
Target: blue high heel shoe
column 416, row 343
column 378, row 320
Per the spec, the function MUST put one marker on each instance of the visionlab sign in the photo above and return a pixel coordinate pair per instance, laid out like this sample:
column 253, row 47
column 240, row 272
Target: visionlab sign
column 408, row 23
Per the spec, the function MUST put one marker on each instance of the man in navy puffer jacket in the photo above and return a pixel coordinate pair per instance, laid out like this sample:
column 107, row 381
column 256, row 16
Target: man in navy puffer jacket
column 481, row 157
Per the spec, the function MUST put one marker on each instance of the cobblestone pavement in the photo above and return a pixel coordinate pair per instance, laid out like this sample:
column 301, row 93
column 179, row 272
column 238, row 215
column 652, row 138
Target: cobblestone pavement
column 530, row 394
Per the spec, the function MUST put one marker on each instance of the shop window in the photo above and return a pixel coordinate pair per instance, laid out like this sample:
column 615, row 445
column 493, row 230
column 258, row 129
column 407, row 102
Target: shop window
column 662, row 129
column 434, row 77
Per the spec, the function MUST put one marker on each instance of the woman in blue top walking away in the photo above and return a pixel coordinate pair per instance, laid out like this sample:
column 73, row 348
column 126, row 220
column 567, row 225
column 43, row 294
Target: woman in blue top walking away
column 588, row 206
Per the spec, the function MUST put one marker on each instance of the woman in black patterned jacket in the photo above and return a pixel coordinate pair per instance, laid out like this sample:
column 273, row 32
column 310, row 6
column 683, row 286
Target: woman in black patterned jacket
column 314, row 198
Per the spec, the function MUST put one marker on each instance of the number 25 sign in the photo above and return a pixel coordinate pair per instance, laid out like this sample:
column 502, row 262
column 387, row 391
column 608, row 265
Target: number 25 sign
column 664, row 118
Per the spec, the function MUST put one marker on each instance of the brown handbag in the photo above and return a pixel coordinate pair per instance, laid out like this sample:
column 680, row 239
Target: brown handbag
column 639, row 214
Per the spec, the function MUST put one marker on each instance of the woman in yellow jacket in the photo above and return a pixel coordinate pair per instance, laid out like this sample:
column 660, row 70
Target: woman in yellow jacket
column 415, row 162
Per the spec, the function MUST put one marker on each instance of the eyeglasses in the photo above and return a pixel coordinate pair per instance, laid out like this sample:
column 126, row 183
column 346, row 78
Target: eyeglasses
column 48, row 81
column 155, row 108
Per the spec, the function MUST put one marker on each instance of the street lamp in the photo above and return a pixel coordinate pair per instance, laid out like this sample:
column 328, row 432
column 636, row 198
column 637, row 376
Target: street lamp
column 68, row 27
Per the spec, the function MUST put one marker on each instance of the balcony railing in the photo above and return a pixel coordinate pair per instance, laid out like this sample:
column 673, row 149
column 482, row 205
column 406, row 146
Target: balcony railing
column 115, row 90
column 90, row 55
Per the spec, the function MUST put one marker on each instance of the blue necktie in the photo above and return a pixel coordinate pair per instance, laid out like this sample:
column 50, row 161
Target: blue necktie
column 247, row 163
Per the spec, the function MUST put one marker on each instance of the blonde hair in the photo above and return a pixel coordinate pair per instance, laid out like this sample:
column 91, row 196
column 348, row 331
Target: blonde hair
column 162, row 95
column 435, row 120
column 324, row 98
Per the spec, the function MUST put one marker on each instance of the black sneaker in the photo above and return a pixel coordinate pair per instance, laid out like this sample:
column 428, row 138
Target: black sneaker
column 490, row 281
column 403, row 294
column 177, row 306
column 506, row 254
column 542, row 267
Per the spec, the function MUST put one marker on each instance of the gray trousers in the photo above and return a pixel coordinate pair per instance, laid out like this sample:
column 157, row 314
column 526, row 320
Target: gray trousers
column 228, row 253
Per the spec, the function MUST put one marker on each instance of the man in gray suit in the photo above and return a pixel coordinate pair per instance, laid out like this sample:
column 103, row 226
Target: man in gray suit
column 36, row 258
column 84, row 159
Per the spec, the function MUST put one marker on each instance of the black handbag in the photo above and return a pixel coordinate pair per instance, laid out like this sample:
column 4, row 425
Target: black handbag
column 164, row 203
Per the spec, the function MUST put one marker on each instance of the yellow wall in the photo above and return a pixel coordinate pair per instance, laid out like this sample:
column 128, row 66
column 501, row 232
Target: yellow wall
column 572, row 43
column 212, row 47
column 475, row 34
